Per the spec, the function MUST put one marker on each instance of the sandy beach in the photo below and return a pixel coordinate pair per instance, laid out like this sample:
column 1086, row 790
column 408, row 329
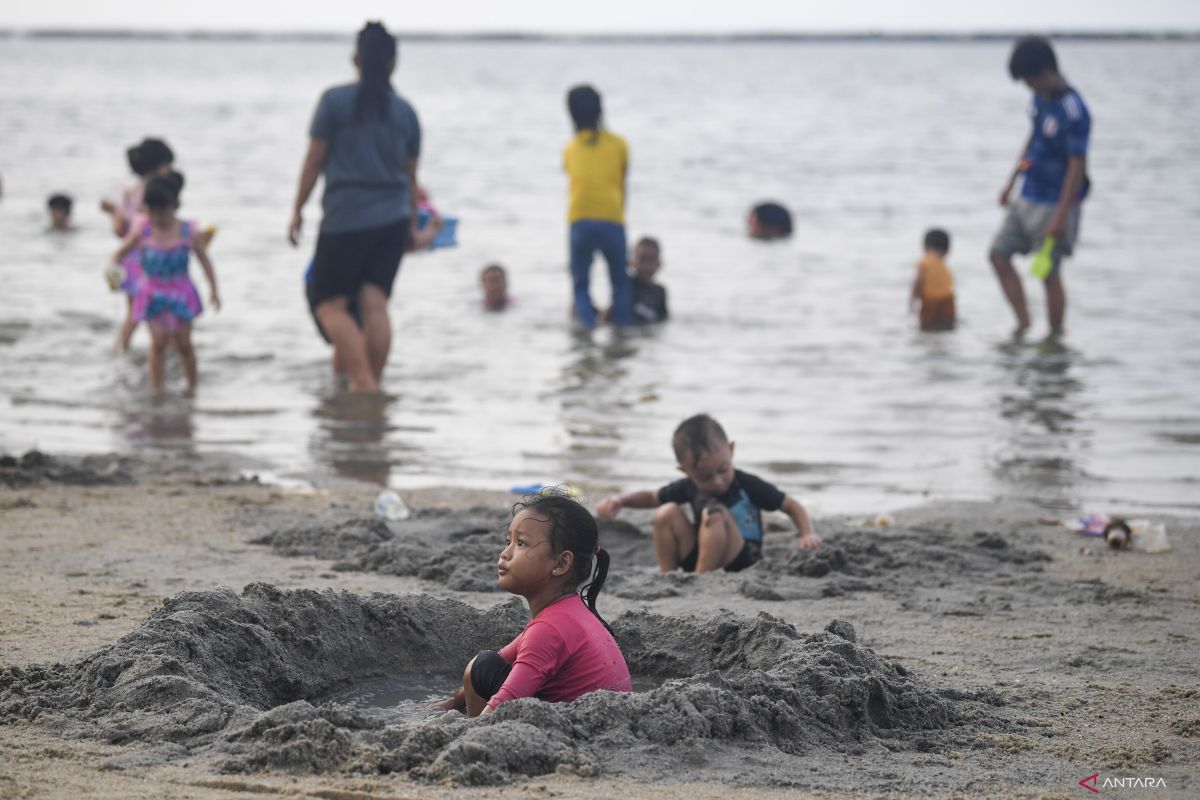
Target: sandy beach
column 174, row 628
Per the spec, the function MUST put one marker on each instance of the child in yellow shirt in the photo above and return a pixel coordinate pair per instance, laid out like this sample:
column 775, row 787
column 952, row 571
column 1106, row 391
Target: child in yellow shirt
column 933, row 287
column 596, row 160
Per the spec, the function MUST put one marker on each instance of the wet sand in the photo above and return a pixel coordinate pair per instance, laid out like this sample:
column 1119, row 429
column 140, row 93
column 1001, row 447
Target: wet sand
column 165, row 630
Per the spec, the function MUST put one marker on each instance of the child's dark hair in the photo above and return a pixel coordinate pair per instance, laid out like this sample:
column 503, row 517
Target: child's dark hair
column 162, row 191
column 60, row 202
column 583, row 103
column 774, row 216
column 572, row 527
column 148, row 155
column 1031, row 56
column 938, row 240
column 695, row 435
column 376, row 51
column 649, row 241
column 493, row 267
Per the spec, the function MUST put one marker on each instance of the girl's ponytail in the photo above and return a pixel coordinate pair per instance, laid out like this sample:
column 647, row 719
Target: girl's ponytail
column 376, row 56
column 592, row 588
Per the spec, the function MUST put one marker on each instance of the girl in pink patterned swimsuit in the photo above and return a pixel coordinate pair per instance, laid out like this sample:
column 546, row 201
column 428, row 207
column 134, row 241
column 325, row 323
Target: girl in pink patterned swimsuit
column 165, row 298
column 566, row 650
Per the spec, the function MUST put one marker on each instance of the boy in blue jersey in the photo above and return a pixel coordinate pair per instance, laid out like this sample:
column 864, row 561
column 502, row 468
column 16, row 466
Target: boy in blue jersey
column 1054, row 166
column 725, row 529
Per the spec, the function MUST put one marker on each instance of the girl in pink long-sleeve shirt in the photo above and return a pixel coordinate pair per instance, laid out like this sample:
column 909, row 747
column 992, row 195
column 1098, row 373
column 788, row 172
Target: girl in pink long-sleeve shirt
column 566, row 650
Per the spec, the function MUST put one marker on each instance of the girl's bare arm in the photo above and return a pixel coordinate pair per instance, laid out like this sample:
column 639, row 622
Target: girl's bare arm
column 200, row 248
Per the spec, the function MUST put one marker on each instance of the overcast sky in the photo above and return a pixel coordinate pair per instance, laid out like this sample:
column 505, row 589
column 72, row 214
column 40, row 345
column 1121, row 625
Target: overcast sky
column 593, row 16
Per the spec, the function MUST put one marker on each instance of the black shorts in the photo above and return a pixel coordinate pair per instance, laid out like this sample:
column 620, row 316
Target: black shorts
column 346, row 261
column 748, row 556
column 488, row 673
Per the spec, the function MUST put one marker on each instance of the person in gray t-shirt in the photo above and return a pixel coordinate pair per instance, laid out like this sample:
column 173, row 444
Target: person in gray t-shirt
column 366, row 140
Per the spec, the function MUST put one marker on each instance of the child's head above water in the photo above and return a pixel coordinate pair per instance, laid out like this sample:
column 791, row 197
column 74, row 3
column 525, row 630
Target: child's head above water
column 162, row 193
column 769, row 221
column 150, row 156
column 704, row 453
column 937, row 241
column 647, row 258
column 59, row 206
column 494, row 280
column 552, row 541
column 583, row 104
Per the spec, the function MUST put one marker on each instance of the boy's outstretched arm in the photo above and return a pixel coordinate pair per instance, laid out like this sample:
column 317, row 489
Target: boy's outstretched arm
column 1017, row 170
column 610, row 506
column 808, row 539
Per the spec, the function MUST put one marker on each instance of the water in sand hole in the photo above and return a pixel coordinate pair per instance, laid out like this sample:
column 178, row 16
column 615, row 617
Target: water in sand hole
column 398, row 691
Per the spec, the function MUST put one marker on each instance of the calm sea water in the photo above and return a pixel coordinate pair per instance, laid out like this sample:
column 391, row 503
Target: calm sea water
column 802, row 349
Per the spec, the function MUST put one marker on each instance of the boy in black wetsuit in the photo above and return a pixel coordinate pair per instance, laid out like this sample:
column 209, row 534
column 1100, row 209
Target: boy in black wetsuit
column 726, row 504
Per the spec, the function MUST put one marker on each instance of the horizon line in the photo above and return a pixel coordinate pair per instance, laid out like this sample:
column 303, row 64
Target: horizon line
column 1079, row 34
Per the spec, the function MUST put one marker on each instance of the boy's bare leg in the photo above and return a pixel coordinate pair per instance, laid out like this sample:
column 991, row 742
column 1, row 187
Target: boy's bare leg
column 720, row 539
column 349, row 342
column 1056, row 303
column 475, row 703
column 674, row 537
column 1011, row 284
column 377, row 327
column 158, row 357
column 183, row 344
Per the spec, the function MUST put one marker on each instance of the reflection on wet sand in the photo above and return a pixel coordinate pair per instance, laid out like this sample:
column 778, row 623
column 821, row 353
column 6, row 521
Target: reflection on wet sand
column 163, row 422
column 1043, row 405
column 350, row 437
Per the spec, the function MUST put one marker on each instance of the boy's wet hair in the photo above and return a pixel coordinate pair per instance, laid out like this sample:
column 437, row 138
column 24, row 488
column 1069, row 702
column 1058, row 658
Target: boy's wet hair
column 1031, row 56
column 162, row 191
column 649, row 241
column 583, row 104
column 148, row 155
column 493, row 268
column 60, row 202
column 775, row 217
column 695, row 436
column 937, row 239
column 376, row 51
column 572, row 527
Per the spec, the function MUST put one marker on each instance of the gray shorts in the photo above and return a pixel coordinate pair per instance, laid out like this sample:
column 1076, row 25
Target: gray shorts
column 1024, row 230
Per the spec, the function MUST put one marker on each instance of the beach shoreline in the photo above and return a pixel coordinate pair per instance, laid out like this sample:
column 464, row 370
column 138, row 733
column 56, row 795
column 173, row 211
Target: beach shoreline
column 1090, row 655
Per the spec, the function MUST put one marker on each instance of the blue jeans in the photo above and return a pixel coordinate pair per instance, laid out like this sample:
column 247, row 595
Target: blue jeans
column 588, row 236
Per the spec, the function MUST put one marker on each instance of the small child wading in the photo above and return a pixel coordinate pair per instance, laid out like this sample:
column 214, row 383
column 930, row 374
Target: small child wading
column 166, row 299
column 933, row 288
column 566, row 650
column 726, row 504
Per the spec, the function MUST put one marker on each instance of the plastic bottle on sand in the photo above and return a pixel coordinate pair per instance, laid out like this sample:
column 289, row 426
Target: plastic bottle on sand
column 391, row 507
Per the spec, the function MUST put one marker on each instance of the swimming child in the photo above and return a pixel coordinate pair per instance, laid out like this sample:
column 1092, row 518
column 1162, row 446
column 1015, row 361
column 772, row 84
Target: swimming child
column 59, row 208
column 566, row 650
column 166, row 298
column 725, row 529
column 494, row 280
column 147, row 158
column 597, row 162
column 769, row 221
column 649, row 298
column 933, row 288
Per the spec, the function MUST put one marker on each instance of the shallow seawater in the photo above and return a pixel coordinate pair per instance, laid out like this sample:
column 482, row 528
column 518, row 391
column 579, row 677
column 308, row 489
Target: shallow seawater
column 803, row 349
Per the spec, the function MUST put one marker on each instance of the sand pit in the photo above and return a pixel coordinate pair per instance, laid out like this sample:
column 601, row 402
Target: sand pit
column 36, row 466
column 239, row 680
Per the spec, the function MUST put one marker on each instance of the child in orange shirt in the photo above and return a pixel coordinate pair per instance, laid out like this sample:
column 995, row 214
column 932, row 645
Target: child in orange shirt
column 933, row 287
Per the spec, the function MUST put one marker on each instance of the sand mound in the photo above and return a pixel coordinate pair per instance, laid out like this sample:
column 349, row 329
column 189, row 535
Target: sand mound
column 36, row 466
column 455, row 548
column 237, row 679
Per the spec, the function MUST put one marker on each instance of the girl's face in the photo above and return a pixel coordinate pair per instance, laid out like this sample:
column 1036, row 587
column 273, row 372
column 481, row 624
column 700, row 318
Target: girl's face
column 527, row 563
